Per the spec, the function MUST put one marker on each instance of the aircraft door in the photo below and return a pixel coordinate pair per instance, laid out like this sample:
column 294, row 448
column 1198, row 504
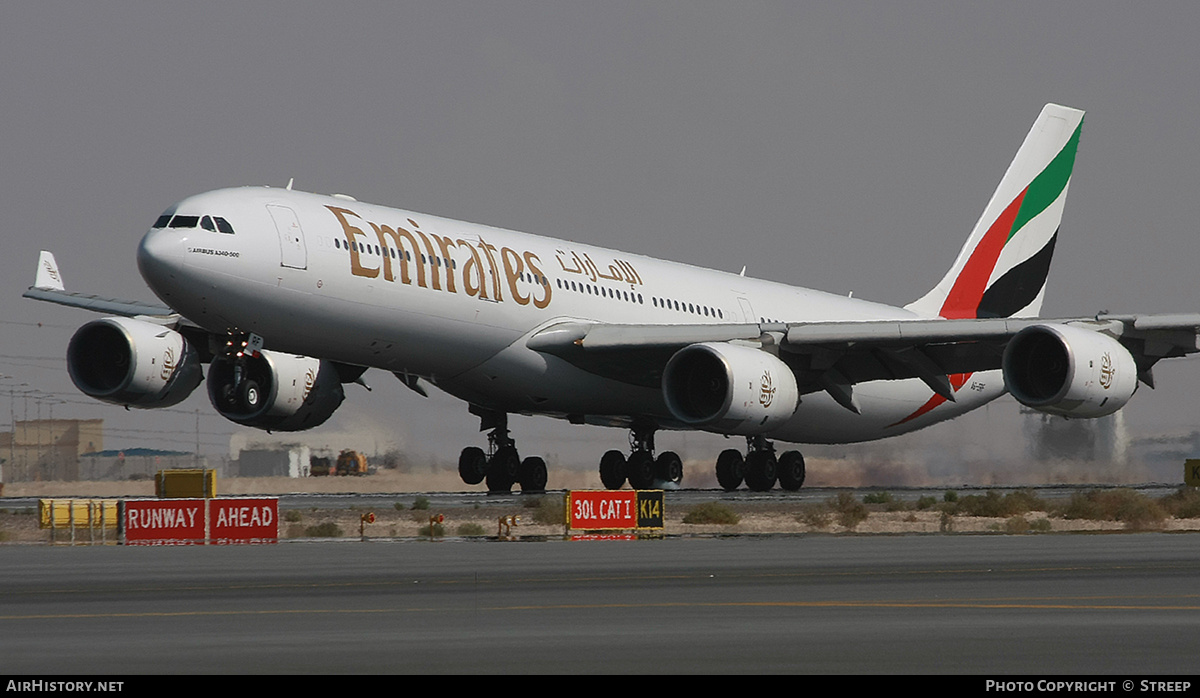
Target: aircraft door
column 747, row 311
column 292, row 252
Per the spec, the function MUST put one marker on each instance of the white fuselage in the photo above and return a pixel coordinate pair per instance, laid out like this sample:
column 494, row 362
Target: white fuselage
column 455, row 302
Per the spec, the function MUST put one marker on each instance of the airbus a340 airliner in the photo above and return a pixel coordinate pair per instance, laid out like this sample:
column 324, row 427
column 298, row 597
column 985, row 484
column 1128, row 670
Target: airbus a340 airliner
column 289, row 295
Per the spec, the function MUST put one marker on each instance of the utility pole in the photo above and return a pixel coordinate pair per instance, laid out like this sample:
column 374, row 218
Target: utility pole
column 11, row 441
column 196, row 457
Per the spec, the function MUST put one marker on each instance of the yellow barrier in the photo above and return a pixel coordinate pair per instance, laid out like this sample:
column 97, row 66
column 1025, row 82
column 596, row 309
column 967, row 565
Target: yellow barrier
column 191, row 483
column 80, row 513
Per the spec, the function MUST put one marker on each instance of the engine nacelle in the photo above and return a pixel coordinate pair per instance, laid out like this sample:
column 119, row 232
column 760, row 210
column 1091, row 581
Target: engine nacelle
column 133, row 363
column 729, row 388
column 274, row 391
column 1069, row 371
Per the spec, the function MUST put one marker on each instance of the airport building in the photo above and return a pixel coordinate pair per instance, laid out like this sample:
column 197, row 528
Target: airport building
column 48, row 449
column 291, row 460
column 44, row 450
column 134, row 463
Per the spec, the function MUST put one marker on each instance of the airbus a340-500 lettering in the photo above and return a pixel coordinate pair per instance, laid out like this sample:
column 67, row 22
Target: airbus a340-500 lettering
column 288, row 295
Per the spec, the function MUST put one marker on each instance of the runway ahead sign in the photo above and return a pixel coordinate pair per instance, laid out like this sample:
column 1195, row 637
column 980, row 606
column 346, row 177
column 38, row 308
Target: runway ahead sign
column 200, row 521
column 605, row 510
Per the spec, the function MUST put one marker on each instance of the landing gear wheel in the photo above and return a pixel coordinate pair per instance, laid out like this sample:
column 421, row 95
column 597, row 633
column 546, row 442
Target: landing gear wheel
column 760, row 470
column 251, row 395
column 640, row 469
column 668, row 467
column 791, row 471
column 731, row 469
column 532, row 475
column 502, row 470
column 472, row 465
column 612, row 470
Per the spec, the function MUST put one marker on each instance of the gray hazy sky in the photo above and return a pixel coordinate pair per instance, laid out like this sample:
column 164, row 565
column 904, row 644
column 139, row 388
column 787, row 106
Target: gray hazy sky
column 847, row 146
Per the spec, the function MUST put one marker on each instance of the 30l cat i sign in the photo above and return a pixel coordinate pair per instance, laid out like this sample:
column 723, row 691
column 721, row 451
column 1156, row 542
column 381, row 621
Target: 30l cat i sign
column 597, row 510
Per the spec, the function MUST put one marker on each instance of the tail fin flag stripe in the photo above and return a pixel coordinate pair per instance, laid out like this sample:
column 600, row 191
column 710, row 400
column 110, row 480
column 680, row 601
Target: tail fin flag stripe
column 1023, row 215
column 1019, row 286
column 1047, row 186
column 969, row 288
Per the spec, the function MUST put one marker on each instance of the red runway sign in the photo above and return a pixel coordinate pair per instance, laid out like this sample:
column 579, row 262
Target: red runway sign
column 601, row 510
column 164, row 522
column 243, row 520
column 183, row 521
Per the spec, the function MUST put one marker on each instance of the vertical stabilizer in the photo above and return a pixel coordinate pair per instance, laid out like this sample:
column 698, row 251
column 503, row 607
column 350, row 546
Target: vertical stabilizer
column 1001, row 271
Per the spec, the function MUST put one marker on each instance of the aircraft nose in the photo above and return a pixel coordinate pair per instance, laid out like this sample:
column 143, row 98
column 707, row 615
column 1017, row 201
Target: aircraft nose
column 160, row 258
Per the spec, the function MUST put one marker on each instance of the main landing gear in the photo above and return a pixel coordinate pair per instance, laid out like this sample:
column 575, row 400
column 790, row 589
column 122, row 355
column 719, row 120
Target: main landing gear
column 501, row 465
column 760, row 468
column 641, row 469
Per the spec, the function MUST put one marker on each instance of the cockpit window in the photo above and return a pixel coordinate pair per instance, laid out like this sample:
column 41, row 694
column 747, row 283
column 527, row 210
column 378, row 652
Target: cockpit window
column 213, row 224
column 185, row 221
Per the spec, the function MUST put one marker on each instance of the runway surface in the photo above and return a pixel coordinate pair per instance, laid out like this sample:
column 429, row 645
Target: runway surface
column 1090, row 604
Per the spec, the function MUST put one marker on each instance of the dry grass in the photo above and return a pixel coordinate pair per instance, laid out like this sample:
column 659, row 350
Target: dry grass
column 711, row 513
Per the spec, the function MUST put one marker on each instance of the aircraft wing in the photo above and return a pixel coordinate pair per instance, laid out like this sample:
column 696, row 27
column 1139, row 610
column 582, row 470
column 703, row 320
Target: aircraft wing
column 112, row 306
column 48, row 286
column 832, row 356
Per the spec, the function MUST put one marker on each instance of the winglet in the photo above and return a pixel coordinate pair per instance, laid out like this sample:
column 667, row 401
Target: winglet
column 47, row 273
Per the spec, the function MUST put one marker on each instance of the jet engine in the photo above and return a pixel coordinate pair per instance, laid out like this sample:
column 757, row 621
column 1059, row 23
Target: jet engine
column 1069, row 371
column 729, row 388
column 274, row 391
column 133, row 363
